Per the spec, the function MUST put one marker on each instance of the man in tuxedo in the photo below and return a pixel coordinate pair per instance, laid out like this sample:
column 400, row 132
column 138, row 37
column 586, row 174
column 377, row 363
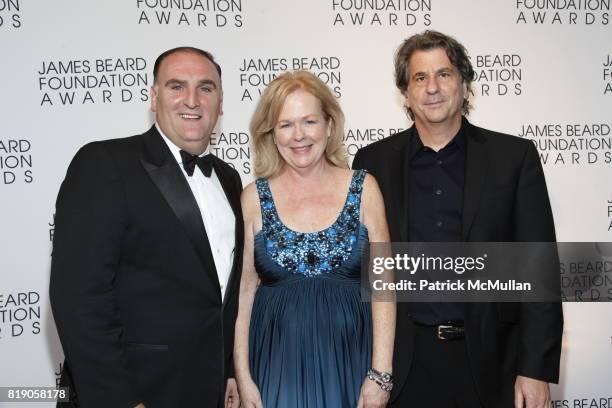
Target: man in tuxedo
column 147, row 254
column 446, row 180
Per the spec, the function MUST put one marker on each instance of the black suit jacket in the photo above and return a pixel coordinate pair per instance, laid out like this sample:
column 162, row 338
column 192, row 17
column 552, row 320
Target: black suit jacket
column 134, row 289
column 505, row 199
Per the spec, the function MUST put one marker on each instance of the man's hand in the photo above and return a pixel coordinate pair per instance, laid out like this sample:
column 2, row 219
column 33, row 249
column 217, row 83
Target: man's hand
column 531, row 393
column 372, row 396
column 232, row 399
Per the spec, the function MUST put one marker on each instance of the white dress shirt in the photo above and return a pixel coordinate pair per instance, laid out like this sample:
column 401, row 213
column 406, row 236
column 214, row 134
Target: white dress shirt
column 217, row 214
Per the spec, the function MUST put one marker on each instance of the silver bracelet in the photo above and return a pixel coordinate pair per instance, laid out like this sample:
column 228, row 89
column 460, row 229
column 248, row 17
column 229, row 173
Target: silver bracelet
column 383, row 379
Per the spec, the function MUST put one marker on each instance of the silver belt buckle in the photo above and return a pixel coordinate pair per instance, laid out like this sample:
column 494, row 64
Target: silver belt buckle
column 440, row 328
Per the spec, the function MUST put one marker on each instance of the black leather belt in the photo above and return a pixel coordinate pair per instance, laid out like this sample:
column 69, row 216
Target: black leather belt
column 449, row 331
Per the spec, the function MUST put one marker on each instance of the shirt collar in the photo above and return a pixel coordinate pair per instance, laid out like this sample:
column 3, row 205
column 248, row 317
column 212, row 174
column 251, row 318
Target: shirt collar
column 416, row 144
column 174, row 149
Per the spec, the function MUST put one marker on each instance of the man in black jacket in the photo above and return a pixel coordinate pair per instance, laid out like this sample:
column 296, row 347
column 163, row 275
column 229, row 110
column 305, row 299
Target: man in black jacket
column 446, row 180
column 147, row 254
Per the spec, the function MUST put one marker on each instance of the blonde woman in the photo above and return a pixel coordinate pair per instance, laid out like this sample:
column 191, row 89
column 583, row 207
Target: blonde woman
column 304, row 337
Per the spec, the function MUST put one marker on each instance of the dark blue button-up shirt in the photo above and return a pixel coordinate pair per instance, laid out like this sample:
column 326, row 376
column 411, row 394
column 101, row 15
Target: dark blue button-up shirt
column 436, row 210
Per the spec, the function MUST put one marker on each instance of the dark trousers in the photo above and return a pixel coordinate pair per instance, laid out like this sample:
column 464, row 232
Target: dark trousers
column 440, row 374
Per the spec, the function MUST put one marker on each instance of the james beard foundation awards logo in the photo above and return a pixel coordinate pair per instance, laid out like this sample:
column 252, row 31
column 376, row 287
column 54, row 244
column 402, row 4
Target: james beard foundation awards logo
column 85, row 81
column 257, row 72
column 609, row 210
column 19, row 314
column 562, row 12
column 607, row 75
column 16, row 161
column 381, row 13
column 356, row 138
column 10, row 16
column 571, row 144
column 191, row 13
column 234, row 148
column 57, row 372
column 51, row 226
column 498, row 74
column 591, row 402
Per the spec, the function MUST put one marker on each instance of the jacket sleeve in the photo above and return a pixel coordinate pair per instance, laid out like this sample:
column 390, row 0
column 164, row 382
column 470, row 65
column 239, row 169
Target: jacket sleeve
column 90, row 222
column 229, row 342
column 541, row 324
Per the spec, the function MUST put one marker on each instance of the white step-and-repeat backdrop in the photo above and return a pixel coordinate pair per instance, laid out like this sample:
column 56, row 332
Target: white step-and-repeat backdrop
column 73, row 72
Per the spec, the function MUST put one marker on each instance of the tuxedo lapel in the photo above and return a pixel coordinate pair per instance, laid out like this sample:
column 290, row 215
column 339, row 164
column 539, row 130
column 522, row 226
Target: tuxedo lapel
column 167, row 176
column 475, row 172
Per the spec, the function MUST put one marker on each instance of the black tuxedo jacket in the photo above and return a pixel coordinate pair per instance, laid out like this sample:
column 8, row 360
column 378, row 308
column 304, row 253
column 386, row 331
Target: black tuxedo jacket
column 505, row 199
column 134, row 289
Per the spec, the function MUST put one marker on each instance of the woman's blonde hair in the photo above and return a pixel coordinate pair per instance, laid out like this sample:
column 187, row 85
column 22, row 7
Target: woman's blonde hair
column 268, row 161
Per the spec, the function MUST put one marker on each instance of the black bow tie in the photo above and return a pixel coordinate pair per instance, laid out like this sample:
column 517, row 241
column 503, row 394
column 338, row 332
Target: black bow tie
column 205, row 163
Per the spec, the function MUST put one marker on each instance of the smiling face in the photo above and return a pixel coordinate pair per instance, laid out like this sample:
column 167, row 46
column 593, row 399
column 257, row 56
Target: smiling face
column 435, row 90
column 187, row 99
column 301, row 130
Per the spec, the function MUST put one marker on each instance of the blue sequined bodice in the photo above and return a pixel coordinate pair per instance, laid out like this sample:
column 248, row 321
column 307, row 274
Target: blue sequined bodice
column 310, row 289
column 312, row 253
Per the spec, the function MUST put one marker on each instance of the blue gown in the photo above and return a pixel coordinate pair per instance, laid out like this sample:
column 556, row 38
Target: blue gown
column 310, row 338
